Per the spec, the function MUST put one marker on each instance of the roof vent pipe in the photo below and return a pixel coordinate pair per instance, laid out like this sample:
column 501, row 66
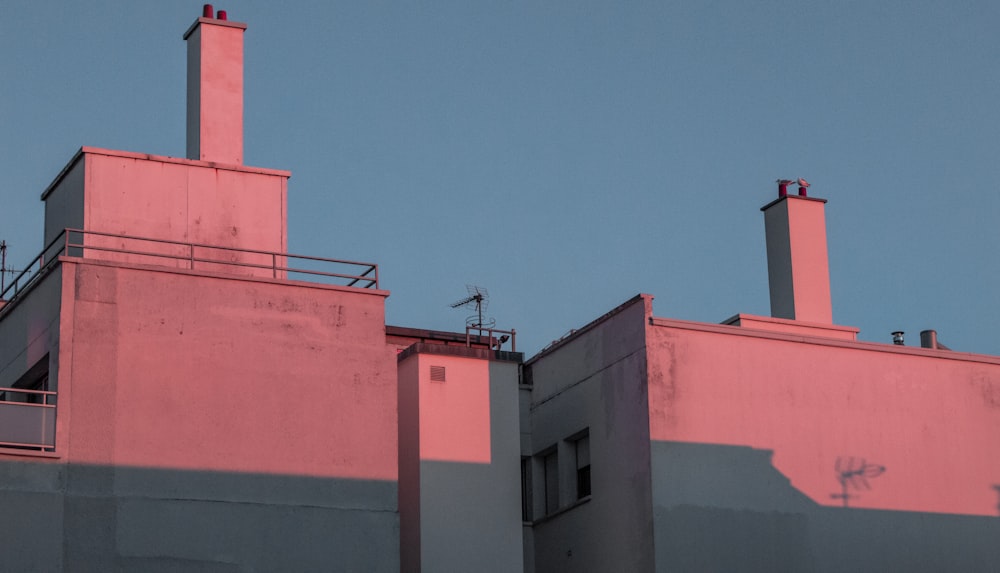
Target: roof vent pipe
column 897, row 338
column 929, row 339
column 207, row 11
column 783, row 187
column 222, row 15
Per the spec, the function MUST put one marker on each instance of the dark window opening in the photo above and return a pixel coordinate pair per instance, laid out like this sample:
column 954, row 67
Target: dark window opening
column 582, row 446
column 36, row 379
column 551, row 465
column 583, row 482
column 525, row 488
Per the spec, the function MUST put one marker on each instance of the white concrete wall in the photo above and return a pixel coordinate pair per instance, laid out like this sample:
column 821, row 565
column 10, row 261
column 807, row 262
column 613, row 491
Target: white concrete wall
column 408, row 384
column 30, row 329
column 465, row 487
column 64, row 202
column 596, row 381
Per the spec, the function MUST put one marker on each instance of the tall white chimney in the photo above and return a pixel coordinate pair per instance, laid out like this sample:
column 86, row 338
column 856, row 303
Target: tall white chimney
column 797, row 265
column 215, row 89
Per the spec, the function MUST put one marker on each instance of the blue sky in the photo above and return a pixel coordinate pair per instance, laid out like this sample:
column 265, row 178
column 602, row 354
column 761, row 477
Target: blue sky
column 565, row 155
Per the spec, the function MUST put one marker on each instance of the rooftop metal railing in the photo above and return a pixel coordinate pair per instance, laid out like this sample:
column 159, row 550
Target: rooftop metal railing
column 191, row 256
column 34, row 271
column 27, row 418
column 496, row 342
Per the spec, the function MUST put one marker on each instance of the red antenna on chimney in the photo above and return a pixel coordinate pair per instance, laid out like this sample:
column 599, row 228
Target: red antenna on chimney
column 784, row 183
column 803, row 185
column 783, row 187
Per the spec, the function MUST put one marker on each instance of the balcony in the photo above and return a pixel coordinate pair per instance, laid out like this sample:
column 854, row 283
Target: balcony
column 27, row 419
column 190, row 256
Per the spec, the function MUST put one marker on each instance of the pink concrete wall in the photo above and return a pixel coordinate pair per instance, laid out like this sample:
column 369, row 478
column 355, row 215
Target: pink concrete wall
column 172, row 199
column 185, row 202
column 455, row 414
column 930, row 420
column 174, row 370
column 810, row 269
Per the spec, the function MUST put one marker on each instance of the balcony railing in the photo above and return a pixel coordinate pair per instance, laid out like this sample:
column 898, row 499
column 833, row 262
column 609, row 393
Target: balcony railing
column 191, row 256
column 27, row 419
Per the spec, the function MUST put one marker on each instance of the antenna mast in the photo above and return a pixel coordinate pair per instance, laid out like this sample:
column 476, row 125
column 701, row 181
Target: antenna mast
column 3, row 265
column 480, row 299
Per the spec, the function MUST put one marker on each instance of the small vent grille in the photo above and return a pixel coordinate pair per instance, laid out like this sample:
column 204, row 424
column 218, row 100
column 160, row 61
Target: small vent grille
column 437, row 373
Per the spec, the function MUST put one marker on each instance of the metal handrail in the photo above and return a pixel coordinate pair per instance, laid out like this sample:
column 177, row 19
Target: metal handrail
column 370, row 267
column 45, row 394
column 365, row 277
column 41, row 429
column 30, row 274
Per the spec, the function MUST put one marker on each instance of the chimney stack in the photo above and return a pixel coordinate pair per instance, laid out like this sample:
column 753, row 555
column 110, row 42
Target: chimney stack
column 797, row 265
column 215, row 89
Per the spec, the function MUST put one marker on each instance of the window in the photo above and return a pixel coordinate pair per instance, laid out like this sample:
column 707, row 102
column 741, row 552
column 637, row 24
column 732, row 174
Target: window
column 39, row 384
column 28, row 411
column 526, row 488
column 35, row 379
column 563, row 466
column 551, row 469
column 582, row 450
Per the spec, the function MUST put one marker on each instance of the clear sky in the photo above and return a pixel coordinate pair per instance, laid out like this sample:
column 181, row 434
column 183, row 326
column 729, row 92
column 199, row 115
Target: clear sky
column 565, row 155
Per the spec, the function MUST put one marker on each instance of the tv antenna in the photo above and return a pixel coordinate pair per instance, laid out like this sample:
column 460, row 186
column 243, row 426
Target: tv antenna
column 854, row 474
column 3, row 266
column 479, row 298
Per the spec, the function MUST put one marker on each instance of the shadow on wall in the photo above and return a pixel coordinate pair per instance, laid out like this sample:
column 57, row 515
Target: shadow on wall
column 726, row 508
column 99, row 518
column 854, row 474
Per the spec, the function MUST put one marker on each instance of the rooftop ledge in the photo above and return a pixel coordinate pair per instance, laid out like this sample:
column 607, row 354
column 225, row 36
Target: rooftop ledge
column 215, row 22
column 159, row 158
column 787, row 326
column 812, row 338
column 460, row 351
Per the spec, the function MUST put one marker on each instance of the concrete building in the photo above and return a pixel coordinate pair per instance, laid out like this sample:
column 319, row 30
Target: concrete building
column 204, row 406
column 762, row 444
column 178, row 392
column 458, row 459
